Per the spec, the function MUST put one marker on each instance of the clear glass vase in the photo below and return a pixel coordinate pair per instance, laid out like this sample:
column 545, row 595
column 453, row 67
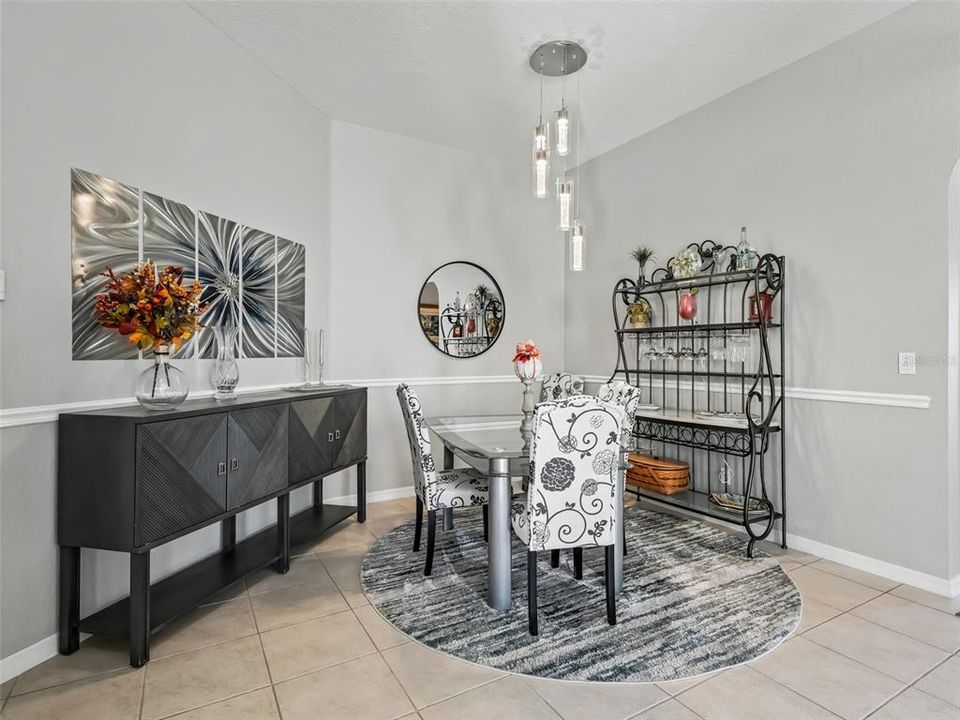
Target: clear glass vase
column 162, row 386
column 225, row 373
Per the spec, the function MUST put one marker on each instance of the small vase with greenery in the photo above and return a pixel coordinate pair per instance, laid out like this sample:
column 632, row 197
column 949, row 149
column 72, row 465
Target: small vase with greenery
column 642, row 255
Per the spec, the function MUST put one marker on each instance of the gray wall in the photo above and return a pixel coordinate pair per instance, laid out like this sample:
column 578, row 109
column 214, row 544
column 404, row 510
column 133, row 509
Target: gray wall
column 841, row 162
column 400, row 207
column 153, row 95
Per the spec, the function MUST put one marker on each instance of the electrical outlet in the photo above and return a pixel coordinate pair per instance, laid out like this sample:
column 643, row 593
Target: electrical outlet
column 907, row 363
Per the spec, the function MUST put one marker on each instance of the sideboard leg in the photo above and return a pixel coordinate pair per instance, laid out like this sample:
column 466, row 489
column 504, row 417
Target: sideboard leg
column 139, row 608
column 228, row 534
column 69, row 599
column 283, row 533
column 362, row 491
column 318, row 494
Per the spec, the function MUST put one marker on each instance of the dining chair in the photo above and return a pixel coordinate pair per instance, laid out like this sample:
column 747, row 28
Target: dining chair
column 628, row 397
column 559, row 386
column 436, row 489
column 571, row 499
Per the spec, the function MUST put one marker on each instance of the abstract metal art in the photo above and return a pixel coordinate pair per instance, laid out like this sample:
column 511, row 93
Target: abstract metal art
column 105, row 229
column 253, row 279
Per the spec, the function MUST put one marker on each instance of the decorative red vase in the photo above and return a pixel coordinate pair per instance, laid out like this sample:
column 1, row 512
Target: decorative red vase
column 765, row 310
column 688, row 306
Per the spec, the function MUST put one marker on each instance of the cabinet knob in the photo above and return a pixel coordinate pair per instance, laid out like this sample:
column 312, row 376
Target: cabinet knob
column 221, row 468
column 338, row 434
column 234, row 464
column 329, row 437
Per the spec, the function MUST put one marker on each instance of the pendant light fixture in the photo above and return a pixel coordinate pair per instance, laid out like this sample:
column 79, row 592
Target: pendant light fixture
column 541, row 149
column 565, row 200
column 560, row 58
column 563, row 117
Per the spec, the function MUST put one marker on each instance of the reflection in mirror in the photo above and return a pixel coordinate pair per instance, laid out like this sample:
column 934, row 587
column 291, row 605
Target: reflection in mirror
column 461, row 309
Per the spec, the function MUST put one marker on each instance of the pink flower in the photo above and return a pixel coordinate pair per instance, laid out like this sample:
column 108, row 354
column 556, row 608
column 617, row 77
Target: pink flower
column 526, row 350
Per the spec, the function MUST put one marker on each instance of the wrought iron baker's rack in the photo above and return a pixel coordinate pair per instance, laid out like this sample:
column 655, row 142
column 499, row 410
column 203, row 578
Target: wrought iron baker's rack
column 712, row 408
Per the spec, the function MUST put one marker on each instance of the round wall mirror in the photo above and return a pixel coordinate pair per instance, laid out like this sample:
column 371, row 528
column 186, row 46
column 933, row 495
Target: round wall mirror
column 461, row 309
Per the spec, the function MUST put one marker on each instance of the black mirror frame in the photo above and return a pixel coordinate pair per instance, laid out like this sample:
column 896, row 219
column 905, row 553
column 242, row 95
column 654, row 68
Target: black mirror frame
column 503, row 303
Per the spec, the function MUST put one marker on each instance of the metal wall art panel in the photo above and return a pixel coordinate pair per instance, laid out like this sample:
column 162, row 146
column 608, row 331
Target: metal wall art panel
column 252, row 279
column 218, row 267
column 291, row 274
column 105, row 232
column 259, row 294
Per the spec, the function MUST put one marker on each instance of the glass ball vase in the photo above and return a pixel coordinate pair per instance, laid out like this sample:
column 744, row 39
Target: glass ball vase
column 162, row 386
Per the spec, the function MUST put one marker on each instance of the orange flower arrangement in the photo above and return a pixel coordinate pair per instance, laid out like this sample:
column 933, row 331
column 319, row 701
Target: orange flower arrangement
column 153, row 311
column 525, row 351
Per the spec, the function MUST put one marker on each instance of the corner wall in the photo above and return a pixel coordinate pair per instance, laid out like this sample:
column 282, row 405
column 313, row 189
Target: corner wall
column 840, row 162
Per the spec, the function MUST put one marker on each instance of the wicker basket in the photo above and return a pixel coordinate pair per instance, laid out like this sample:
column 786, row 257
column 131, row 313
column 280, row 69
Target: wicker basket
column 661, row 475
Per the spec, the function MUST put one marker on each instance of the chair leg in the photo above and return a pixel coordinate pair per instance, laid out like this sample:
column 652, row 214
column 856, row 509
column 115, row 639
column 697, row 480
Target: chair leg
column 417, row 527
column 611, row 590
column 486, row 514
column 532, row 593
column 554, row 558
column 431, row 539
column 578, row 563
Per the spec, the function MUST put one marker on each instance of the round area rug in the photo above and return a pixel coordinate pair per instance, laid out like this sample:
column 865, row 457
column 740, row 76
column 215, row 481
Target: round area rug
column 692, row 602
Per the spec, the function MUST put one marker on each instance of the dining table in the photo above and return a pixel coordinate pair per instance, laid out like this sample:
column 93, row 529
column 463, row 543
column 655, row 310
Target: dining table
column 494, row 445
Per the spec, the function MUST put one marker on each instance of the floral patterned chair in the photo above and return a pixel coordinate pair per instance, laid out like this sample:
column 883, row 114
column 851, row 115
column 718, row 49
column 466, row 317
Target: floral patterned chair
column 436, row 489
column 571, row 500
column 628, row 397
column 560, row 386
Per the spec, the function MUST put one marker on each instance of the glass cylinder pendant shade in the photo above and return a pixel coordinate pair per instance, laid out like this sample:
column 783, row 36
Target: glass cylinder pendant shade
column 563, row 132
column 541, row 160
column 576, row 248
column 565, row 201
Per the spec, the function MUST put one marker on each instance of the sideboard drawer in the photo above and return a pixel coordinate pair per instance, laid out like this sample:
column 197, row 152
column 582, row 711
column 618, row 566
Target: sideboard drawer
column 257, row 441
column 312, row 445
column 350, row 428
column 181, row 474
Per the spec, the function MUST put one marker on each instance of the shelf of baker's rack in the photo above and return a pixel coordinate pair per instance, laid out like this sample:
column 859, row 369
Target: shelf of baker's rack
column 694, row 327
column 730, row 436
column 697, row 281
column 698, row 372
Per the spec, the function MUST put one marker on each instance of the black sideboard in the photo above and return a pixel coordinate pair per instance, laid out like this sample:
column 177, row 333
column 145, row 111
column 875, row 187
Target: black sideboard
column 131, row 479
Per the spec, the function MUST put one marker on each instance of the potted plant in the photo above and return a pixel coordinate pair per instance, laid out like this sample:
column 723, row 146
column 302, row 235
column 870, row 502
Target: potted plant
column 639, row 313
column 642, row 255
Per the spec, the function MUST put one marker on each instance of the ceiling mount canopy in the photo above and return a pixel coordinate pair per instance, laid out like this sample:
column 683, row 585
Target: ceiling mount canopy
column 558, row 58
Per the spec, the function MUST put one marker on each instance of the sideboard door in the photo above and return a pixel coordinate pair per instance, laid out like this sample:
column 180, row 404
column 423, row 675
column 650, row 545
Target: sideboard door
column 181, row 474
column 350, row 431
column 258, row 439
column 312, row 445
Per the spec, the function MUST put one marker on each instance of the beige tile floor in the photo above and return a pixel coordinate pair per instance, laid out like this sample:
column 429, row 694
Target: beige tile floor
column 308, row 645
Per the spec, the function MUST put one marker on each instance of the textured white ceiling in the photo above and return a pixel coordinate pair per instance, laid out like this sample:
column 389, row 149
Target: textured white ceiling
column 457, row 72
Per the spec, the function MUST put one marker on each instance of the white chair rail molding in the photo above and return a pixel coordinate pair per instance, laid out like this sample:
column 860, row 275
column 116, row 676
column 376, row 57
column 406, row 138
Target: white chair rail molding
column 480, row 359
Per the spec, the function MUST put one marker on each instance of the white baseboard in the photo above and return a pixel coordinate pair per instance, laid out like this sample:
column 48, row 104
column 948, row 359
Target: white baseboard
column 375, row 496
column 29, row 657
column 897, row 573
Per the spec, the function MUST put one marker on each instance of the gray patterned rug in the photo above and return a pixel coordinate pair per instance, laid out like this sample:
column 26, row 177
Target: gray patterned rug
column 692, row 602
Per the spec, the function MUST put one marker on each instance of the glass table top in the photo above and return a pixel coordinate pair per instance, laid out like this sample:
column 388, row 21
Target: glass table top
column 481, row 436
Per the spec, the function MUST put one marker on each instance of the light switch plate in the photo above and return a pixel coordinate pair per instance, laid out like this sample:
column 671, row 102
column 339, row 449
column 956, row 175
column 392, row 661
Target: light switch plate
column 908, row 363
column 3, row 284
